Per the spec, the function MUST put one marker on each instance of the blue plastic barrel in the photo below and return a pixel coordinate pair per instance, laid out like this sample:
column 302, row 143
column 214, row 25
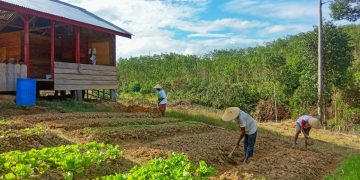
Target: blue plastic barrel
column 25, row 92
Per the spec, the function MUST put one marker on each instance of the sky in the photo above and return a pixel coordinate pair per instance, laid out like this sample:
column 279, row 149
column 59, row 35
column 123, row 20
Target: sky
column 201, row 26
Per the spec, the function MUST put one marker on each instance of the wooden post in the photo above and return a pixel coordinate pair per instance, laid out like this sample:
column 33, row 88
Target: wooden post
column 79, row 95
column 77, row 49
column 113, row 60
column 113, row 92
column 52, row 56
column 25, row 19
column 113, row 95
column 275, row 104
column 320, row 104
column 62, row 94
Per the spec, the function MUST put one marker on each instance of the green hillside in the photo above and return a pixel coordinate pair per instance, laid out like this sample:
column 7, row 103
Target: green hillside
column 249, row 77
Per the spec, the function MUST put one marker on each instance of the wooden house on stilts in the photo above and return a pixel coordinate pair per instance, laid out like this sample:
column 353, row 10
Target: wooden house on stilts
column 56, row 43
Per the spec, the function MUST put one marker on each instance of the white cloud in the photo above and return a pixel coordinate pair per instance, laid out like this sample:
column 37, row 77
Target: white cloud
column 210, row 35
column 150, row 21
column 288, row 29
column 217, row 25
column 155, row 23
column 281, row 9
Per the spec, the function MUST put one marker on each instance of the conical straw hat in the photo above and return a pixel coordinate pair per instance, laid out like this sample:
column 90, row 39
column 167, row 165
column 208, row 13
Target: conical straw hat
column 230, row 113
column 157, row 86
column 314, row 123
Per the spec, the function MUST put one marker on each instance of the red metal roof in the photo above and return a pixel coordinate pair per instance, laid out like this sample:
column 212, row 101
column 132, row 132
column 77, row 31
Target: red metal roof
column 63, row 12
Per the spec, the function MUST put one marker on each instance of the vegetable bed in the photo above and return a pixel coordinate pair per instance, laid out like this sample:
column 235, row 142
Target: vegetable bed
column 70, row 159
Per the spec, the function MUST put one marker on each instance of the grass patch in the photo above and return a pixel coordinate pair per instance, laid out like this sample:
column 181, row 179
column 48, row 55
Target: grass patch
column 73, row 106
column 202, row 118
column 349, row 169
column 10, row 106
column 144, row 126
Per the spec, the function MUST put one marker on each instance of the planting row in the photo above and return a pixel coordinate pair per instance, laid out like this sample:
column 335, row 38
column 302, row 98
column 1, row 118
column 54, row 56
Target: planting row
column 70, row 159
column 176, row 166
column 141, row 132
column 20, row 132
column 73, row 124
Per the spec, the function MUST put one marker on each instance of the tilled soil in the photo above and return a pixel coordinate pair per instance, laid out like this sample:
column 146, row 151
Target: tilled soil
column 74, row 124
column 27, row 142
column 274, row 158
column 121, row 135
column 78, row 116
column 13, row 138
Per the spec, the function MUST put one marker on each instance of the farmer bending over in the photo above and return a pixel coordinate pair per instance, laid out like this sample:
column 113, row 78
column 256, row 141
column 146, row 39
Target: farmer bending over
column 304, row 124
column 248, row 127
column 162, row 100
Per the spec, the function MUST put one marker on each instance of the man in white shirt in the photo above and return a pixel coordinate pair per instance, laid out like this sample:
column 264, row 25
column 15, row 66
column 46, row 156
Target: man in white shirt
column 248, row 127
column 162, row 99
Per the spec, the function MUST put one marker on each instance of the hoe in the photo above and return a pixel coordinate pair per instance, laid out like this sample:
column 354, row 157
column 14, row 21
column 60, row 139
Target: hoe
column 229, row 156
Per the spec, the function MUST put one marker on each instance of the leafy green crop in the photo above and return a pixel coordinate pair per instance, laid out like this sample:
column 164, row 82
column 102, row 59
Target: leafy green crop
column 176, row 166
column 70, row 159
column 27, row 131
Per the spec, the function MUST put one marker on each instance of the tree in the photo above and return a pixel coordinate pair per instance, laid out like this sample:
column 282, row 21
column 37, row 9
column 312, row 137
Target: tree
column 345, row 9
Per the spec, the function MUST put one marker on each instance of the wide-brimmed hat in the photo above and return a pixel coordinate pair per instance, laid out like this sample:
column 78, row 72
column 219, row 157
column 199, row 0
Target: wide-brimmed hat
column 314, row 122
column 157, row 86
column 231, row 113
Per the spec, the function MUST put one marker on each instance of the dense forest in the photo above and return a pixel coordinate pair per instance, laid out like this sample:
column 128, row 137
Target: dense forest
column 281, row 74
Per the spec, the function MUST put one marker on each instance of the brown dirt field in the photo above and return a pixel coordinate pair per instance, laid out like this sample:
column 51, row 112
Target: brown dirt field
column 27, row 142
column 117, row 107
column 79, row 115
column 272, row 160
column 12, row 138
column 74, row 124
column 15, row 125
column 274, row 156
column 121, row 135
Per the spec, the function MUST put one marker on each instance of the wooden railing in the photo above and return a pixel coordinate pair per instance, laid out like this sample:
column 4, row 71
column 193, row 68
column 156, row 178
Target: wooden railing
column 71, row 76
column 8, row 75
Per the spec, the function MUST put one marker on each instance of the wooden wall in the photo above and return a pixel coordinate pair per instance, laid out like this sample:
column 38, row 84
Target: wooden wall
column 8, row 75
column 104, row 46
column 39, row 56
column 102, row 52
column 10, row 46
column 71, row 76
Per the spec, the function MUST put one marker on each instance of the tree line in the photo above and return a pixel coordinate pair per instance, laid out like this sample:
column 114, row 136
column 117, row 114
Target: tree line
column 280, row 75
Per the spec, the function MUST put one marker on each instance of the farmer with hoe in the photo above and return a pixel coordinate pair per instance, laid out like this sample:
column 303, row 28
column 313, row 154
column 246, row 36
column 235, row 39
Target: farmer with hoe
column 304, row 124
column 162, row 100
column 248, row 127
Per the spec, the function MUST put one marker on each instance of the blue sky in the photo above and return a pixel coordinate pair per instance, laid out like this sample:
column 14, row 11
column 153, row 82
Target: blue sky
column 200, row 26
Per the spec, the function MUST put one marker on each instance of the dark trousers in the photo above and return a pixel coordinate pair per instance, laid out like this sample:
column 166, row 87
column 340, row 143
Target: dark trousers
column 249, row 144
